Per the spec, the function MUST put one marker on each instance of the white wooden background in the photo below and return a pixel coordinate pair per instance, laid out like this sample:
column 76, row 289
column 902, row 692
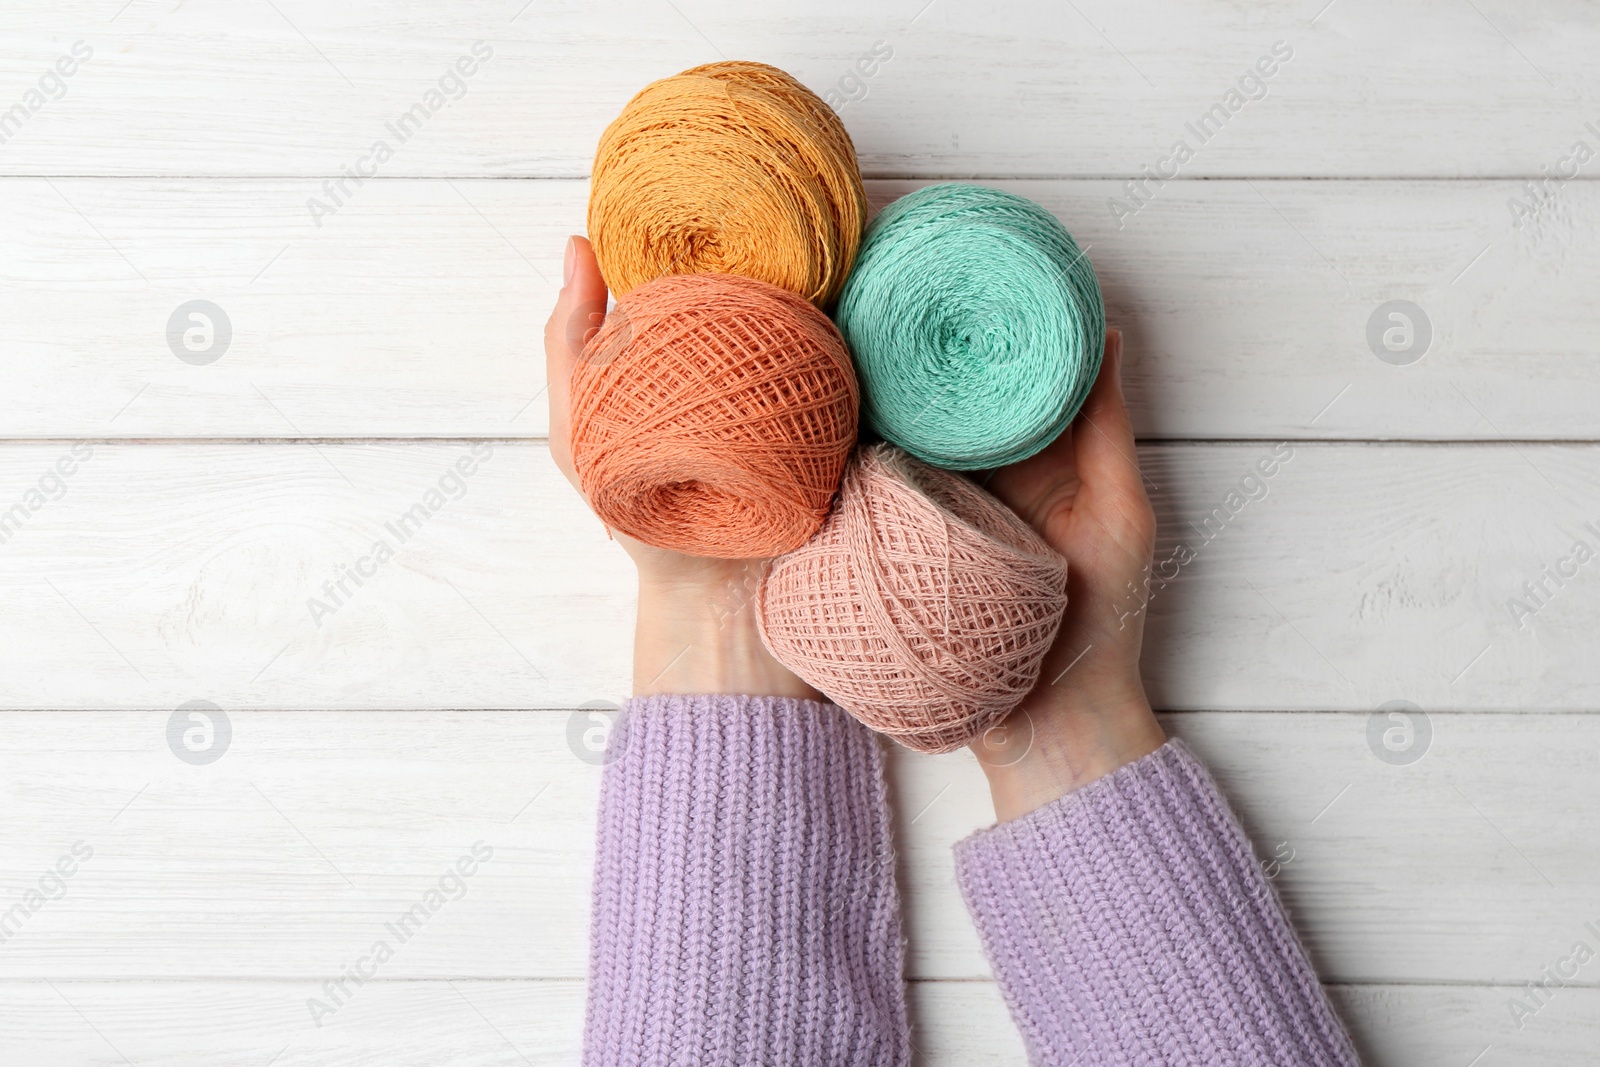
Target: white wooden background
column 435, row 708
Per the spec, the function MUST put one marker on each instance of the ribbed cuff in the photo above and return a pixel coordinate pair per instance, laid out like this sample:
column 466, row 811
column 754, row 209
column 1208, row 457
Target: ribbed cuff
column 744, row 906
column 1129, row 922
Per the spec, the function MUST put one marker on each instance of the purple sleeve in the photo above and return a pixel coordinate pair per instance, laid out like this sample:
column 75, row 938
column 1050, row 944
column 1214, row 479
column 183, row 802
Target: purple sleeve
column 744, row 906
column 1129, row 923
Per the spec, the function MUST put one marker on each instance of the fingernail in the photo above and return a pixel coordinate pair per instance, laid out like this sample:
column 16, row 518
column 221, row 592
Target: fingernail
column 569, row 262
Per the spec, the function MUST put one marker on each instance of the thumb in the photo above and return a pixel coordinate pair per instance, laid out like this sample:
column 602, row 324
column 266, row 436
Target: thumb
column 1106, row 446
column 580, row 310
column 1108, row 458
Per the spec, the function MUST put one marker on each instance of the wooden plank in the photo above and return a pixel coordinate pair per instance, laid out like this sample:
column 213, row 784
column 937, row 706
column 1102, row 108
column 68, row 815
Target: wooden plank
column 1359, row 574
column 210, row 575
column 1393, row 1026
column 1457, row 867
column 289, row 855
column 479, row 1023
column 1037, row 89
column 1404, row 1025
column 418, row 308
column 461, row 1021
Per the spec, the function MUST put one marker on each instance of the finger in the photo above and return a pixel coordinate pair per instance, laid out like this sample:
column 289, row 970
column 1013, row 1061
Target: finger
column 1024, row 486
column 579, row 312
column 1108, row 457
column 587, row 295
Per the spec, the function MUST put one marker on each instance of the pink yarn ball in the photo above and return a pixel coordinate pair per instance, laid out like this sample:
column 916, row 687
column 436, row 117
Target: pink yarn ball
column 923, row 606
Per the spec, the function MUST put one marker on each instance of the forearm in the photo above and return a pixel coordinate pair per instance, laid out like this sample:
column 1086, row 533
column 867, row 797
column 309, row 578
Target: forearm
column 744, row 906
column 1127, row 921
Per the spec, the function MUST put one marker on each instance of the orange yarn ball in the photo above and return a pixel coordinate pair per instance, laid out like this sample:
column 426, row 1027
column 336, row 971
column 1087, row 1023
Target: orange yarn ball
column 924, row 606
column 713, row 414
column 728, row 168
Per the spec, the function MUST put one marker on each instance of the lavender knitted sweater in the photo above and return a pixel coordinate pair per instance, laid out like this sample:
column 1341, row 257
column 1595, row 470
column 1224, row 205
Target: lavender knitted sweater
column 745, row 909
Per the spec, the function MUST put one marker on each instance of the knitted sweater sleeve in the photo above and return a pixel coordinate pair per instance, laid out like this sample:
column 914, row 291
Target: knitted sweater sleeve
column 744, row 907
column 1129, row 923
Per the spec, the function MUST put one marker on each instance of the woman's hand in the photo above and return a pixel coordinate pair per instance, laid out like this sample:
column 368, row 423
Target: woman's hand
column 696, row 630
column 1089, row 714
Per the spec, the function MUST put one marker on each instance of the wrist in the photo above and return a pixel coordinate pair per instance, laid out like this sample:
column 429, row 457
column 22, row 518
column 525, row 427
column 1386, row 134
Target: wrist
column 1051, row 747
column 701, row 637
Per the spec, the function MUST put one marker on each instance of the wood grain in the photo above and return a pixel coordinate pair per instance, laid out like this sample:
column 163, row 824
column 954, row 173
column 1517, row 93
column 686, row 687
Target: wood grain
column 167, row 527
column 1438, row 90
column 1359, row 574
column 287, row 857
column 418, row 309
column 480, row 1023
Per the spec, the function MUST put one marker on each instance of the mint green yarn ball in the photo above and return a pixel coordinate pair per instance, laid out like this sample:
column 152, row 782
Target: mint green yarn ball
column 976, row 324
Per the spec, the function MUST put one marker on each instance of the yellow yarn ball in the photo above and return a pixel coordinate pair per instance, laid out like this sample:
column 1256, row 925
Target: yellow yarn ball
column 727, row 168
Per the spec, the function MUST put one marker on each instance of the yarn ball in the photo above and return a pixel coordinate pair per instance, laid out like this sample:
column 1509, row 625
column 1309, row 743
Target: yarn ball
column 923, row 606
column 713, row 414
column 976, row 323
column 727, row 168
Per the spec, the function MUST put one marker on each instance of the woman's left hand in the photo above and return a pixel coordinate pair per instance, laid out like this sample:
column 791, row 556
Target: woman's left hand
column 696, row 630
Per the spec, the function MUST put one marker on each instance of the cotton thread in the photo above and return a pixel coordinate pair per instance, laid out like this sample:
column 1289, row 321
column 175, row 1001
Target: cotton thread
column 713, row 414
column 923, row 606
column 976, row 324
column 730, row 168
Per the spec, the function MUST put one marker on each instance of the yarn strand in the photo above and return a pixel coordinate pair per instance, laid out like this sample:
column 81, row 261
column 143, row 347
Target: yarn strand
column 713, row 414
column 923, row 606
column 727, row 168
column 976, row 323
